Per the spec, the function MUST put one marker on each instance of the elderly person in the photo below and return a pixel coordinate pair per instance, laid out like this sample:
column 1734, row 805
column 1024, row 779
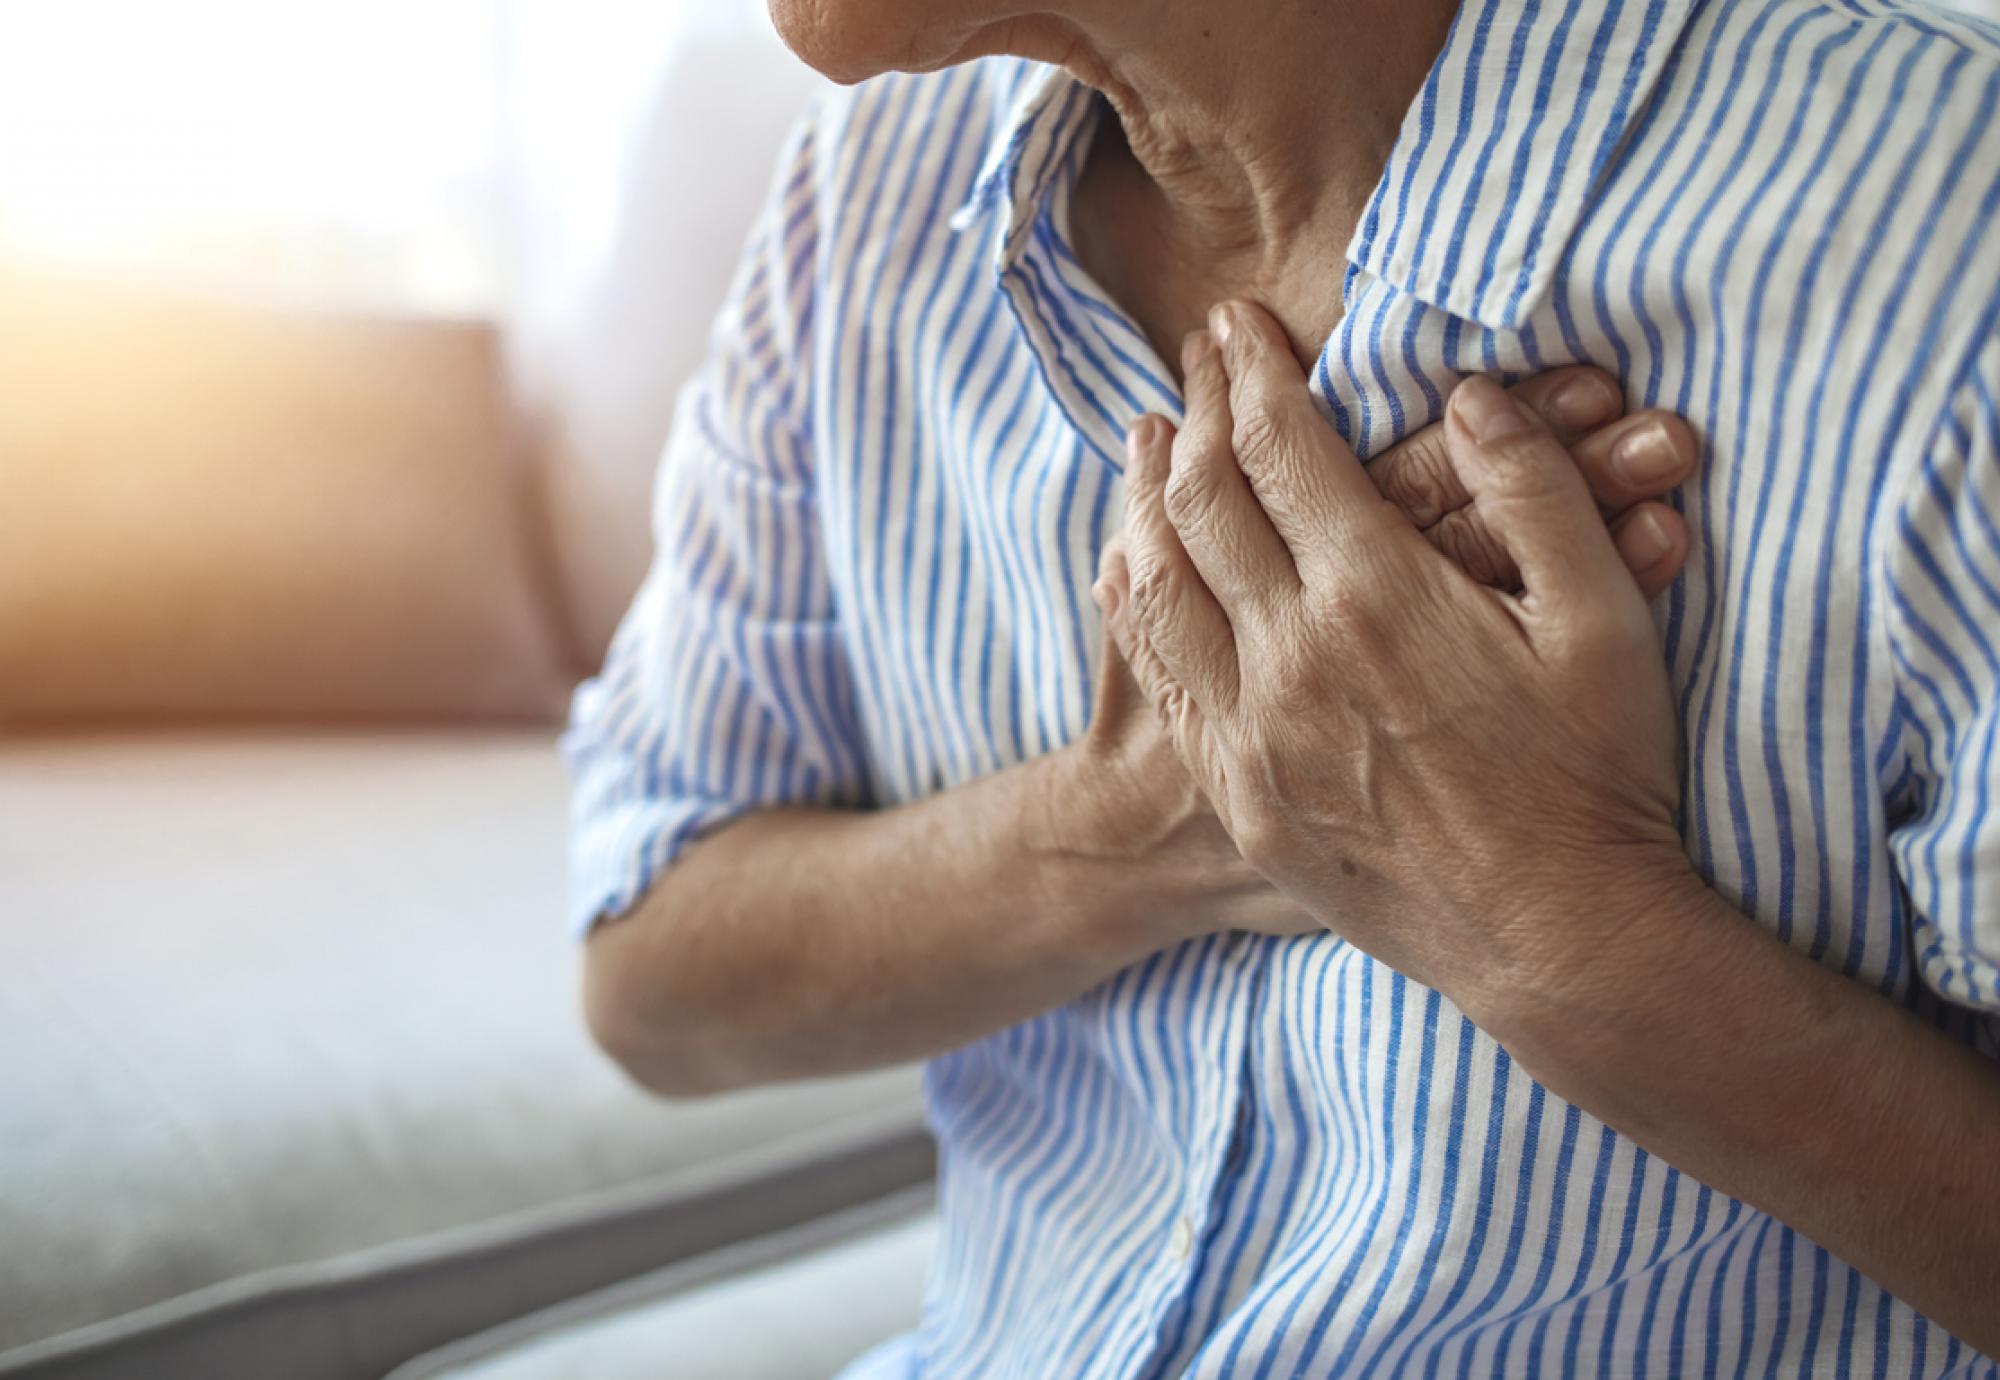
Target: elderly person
column 1422, row 959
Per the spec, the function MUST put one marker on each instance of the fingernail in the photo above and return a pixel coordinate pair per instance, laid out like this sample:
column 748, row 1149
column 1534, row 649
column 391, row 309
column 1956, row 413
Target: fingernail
column 1643, row 540
column 1645, row 455
column 1219, row 323
column 1106, row 595
column 1585, row 400
column 1488, row 413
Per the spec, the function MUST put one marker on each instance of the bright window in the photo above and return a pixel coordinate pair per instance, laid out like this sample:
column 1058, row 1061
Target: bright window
column 334, row 153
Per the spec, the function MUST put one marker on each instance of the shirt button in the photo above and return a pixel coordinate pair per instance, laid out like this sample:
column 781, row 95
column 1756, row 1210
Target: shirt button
column 1181, row 1241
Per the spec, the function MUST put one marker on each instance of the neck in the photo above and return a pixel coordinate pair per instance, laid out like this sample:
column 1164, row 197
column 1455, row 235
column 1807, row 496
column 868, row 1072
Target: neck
column 1250, row 134
column 1259, row 122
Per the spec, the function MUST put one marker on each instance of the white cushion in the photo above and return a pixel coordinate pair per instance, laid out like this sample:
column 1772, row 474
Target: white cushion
column 294, row 1067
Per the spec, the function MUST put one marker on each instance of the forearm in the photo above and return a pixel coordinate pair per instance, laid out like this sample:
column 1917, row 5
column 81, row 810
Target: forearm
column 800, row 942
column 1803, row 1093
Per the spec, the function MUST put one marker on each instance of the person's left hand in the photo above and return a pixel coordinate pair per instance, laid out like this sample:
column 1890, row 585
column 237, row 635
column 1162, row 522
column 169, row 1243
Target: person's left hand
column 1474, row 786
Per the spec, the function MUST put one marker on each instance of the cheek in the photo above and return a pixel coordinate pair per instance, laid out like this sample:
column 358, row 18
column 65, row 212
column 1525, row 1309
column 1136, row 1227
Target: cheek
column 853, row 40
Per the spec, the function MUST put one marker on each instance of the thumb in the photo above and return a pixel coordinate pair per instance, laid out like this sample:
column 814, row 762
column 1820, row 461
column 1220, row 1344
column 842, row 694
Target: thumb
column 1528, row 491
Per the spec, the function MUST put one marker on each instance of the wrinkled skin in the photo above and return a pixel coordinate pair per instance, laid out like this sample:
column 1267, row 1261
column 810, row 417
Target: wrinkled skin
column 1402, row 750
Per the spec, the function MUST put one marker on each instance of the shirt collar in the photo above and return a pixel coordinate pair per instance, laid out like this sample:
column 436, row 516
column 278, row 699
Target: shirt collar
column 1498, row 155
column 1490, row 174
column 1046, row 111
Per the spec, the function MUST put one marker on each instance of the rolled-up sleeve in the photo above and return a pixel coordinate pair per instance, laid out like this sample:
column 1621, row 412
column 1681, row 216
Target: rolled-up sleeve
column 727, row 687
column 1944, row 618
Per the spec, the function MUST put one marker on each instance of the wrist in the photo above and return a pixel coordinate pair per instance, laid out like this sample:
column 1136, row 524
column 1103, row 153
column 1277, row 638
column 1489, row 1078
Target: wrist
column 1106, row 860
column 1620, row 952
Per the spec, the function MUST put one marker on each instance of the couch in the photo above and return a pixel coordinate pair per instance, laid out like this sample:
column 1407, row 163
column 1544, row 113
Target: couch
column 295, row 1083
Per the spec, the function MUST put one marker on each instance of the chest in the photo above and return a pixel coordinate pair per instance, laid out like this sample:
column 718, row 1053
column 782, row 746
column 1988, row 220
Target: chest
column 963, row 536
column 1773, row 638
column 971, row 473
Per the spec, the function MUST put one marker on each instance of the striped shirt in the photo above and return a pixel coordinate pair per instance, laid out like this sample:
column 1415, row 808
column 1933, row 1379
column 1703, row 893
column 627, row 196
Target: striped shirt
column 879, row 517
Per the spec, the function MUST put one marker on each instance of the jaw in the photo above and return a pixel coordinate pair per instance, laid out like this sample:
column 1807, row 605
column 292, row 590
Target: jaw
column 850, row 41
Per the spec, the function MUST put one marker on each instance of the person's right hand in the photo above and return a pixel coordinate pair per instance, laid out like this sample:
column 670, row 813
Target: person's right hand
column 1140, row 811
column 1140, row 807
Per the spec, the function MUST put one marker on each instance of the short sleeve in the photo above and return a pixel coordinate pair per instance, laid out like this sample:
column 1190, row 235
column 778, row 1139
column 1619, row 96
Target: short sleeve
column 727, row 686
column 1943, row 578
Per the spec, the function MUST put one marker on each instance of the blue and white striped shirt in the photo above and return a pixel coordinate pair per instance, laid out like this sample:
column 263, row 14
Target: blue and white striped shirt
column 880, row 514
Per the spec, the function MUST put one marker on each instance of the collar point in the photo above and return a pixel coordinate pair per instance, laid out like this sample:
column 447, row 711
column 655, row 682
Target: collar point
column 1506, row 305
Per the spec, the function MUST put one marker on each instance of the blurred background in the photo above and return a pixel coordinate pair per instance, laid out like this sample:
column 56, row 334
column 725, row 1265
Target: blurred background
column 499, row 225
column 337, row 345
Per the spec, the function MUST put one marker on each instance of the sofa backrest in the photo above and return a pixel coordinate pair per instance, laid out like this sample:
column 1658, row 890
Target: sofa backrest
column 217, row 509
column 228, row 509
column 633, row 206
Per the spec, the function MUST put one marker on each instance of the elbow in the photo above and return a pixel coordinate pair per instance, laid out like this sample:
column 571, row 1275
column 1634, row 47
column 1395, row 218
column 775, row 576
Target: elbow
column 666, row 1042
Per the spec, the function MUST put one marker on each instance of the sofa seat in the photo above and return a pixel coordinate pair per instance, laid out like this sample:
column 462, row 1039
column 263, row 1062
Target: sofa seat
column 798, row 1305
column 294, row 1078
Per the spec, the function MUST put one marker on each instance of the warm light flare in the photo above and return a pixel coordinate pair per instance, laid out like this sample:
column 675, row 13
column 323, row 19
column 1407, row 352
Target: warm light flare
column 347, row 149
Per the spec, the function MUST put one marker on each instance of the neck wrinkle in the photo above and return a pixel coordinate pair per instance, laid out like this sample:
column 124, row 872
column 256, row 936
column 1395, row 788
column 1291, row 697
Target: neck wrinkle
column 1258, row 121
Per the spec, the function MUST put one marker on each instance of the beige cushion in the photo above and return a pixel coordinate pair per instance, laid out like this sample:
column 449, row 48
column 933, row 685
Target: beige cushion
column 209, row 509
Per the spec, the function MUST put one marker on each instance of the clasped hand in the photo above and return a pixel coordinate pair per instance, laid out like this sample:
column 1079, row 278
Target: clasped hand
column 1475, row 784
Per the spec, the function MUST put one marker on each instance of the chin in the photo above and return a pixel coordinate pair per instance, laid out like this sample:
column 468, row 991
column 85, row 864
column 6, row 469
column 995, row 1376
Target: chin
column 850, row 41
column 846, row 40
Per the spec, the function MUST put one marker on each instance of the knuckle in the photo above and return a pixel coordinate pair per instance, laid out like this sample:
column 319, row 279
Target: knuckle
column 1257, row 428
column 1354, row 617
column 1419, row 481
column 1471, row 545
column 1152, row 590
column 1528, row 465
column 1191, row 494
